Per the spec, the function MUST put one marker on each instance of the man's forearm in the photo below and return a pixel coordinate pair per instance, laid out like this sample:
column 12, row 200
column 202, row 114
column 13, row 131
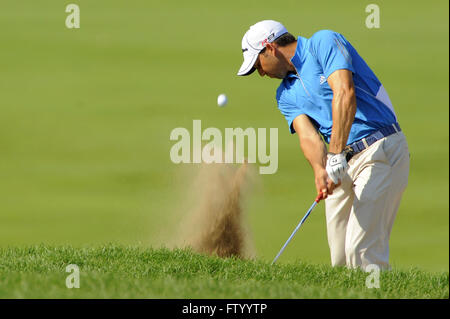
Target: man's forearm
column 315, row 152
column 344, row 109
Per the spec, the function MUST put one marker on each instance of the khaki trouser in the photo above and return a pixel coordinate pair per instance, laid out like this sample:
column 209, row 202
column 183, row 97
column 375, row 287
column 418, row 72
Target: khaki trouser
column 360, row 213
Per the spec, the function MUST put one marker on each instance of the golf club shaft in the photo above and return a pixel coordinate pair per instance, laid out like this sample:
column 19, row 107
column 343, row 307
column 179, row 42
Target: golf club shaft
column 319, row 197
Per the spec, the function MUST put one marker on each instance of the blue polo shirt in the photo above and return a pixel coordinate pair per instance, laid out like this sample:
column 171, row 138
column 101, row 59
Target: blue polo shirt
column 308, row 92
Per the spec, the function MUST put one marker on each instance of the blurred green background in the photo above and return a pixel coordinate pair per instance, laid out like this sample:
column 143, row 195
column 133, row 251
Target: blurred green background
column 86, row 116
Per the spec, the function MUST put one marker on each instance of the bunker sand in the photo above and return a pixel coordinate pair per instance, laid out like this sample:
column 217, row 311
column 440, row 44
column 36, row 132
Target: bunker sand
column 216, row 225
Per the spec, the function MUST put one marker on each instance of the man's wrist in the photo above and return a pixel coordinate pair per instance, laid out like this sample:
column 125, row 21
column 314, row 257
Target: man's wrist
column 319, row 169
column 330, row 154
column 336, row 149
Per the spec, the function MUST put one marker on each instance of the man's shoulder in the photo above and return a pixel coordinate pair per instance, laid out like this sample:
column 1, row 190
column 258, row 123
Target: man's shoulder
column 325, row 37
column 324, row 34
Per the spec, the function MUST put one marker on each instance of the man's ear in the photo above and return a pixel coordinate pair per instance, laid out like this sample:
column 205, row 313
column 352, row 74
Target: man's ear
column 271, row 48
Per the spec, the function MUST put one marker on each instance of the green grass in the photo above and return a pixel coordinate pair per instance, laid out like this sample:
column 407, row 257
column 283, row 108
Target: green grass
column 86, row 116
column 113, row 271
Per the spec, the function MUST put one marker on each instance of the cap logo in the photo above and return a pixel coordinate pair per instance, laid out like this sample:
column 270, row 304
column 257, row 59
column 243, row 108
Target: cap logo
column 269, row 38
column 246, row 49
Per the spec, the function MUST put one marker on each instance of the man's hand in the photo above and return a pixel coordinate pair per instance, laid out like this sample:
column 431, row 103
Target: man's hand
column 336, row 167
column 324, row 184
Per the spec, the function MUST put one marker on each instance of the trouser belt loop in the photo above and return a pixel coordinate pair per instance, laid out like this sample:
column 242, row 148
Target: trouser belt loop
column 395, row 127
column 365, row 143
column 362, row 144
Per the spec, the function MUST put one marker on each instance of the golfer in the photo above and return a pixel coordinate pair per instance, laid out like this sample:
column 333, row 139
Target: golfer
column 329, row 94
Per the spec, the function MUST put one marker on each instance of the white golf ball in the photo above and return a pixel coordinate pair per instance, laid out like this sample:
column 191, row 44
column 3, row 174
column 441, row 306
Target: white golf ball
column 222, row 100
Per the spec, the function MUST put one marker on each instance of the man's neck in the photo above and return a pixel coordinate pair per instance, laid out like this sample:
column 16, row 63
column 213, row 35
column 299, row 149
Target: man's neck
column 288, row 52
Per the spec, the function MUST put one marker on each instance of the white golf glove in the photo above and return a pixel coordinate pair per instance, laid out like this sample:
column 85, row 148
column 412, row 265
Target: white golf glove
column 336, row 166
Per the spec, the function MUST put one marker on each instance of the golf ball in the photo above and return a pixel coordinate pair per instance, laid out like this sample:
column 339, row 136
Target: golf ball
column 222, row 100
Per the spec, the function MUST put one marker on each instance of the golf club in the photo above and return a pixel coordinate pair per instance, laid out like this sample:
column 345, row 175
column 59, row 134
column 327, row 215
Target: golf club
column 318, row 198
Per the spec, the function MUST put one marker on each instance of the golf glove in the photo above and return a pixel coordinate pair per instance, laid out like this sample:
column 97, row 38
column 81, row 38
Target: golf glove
column 336, row 166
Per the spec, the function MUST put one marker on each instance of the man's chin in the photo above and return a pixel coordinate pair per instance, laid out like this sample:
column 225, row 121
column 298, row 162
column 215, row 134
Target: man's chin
column 276, row 76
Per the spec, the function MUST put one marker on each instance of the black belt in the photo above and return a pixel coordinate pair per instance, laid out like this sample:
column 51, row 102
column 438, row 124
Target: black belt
column 362, row 144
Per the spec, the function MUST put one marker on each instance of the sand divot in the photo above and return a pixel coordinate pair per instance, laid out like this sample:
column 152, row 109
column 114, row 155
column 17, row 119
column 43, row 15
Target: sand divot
column 216, row 224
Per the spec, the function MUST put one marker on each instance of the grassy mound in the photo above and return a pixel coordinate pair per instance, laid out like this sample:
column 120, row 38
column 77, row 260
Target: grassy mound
column 113, row 271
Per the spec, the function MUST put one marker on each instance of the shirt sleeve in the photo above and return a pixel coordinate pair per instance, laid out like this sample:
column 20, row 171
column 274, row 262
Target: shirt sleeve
column 290, row 113
column 288, row 106
column 331, row 51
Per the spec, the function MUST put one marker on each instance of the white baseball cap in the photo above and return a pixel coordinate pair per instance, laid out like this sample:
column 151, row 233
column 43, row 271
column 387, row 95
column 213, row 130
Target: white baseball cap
column 255, row 40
